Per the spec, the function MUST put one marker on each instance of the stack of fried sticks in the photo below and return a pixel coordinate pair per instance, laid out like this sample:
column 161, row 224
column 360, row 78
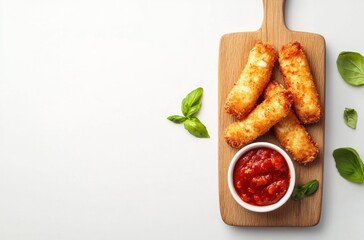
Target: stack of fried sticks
column 285, row 110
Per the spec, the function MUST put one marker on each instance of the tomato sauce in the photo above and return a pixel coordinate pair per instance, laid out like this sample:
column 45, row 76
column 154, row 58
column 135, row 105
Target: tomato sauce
column 261, row 177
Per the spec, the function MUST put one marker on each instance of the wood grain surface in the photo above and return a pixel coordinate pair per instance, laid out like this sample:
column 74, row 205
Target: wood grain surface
column 234, row 49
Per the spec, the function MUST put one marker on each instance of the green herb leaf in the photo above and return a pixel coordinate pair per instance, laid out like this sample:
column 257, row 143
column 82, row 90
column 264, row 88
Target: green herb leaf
column 297, row 194
column 177, row 118
column 351, row 67
column 349, row 164
column 311, row 187
column 305, row 190
column 196, row 128
column 350, row 117
column 191, row 104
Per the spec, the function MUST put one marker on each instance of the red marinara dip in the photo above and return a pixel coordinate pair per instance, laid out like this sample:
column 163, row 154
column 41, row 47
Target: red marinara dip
column 261, row 177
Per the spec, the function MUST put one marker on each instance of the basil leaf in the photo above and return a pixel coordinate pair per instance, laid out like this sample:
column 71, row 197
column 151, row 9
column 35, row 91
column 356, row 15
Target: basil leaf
column 177, row 118
column 305, row 190
column 311, row 187
column 351, row 67
column 196, row 128
column 350, row 117
column 297, row 194
column 191, row 104
column 349, row 164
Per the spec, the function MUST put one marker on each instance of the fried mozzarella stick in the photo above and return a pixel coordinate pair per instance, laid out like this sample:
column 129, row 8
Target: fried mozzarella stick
column 252, row 81
column 260, row 120
column 290, row 132
column 298, row 78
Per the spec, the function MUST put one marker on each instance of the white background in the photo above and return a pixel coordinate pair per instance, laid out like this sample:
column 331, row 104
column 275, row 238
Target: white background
column 86, row 151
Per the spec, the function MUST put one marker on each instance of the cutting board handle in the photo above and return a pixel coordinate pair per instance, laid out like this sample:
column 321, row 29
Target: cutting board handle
column 273, row 16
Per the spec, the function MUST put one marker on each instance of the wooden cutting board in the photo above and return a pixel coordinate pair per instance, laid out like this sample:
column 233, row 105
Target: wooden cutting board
column 234, row 49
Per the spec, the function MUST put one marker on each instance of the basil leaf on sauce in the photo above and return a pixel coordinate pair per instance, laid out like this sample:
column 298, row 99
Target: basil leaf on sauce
column 305, row 190
column 350, row 117
column 196, row 128
column 351, row 67
column 191, row 104
column 349, row 164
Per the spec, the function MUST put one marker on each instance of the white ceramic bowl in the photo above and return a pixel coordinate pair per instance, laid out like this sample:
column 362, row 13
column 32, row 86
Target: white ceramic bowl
column 285, row 197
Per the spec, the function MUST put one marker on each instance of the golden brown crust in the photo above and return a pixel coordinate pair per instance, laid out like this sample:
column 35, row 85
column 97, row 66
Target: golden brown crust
column 298, row 78
column 259, row 121
column 252, row 81
column 291, row 134
column 295, row 139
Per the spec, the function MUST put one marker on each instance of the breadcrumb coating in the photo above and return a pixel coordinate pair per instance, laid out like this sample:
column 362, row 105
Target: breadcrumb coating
column 259, row 121
column 252, row 81
column 299, row 80
column 292, row 135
